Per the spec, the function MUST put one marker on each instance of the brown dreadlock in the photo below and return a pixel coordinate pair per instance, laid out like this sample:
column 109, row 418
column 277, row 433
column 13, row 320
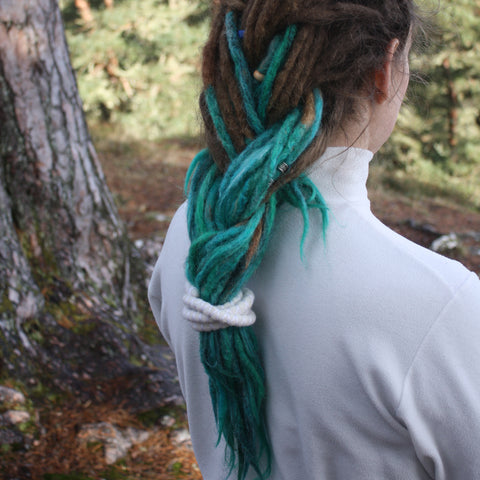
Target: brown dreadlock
column 338, row 46
column 263, row 131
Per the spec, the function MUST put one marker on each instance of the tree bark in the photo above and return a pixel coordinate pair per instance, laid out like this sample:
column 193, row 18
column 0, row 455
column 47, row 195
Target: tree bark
column 65, row 258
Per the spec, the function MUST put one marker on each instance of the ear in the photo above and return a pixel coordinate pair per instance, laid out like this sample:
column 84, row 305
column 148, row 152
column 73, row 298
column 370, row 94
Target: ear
column 383, row 76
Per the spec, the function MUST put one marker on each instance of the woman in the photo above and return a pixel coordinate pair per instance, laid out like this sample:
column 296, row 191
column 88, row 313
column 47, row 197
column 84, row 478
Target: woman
column 363, row 360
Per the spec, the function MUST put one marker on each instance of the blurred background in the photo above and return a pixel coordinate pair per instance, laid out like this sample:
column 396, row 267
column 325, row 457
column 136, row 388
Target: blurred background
column 138, row 62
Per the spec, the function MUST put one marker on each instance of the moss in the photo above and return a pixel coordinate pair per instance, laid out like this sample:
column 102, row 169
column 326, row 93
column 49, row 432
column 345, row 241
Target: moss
column 45, row 392
column 66, row 476
column 83, row 326
column 66, row 314
column 177, row 468
column 6, row 305
column 5, row 448
column 44, row 266
column 148, row 330
column 34, row 328
column 135, row 361
column 113, row 472
column 12, row 382
column 152, row 417
column 69, row 315
column 29, row 427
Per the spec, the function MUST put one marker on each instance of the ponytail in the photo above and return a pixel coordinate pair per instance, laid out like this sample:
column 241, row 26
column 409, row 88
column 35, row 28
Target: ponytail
column 231, row 213
column 280, row 78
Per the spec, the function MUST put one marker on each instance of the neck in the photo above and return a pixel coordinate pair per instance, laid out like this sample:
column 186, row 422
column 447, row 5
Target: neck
column 355, row 133
column 366, row 129
column 346, row 138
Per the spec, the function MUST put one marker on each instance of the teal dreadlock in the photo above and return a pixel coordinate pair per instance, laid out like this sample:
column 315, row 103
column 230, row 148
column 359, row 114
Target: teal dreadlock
column 230, row 218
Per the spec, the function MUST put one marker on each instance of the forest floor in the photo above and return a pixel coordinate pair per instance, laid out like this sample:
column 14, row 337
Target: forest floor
column 147, row 183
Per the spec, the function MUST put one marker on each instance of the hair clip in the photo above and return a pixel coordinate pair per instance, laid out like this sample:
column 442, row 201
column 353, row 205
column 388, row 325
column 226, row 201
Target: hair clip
column 241, row 33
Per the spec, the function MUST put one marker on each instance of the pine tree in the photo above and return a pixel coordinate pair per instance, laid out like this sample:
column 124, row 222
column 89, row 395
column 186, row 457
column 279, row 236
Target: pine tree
column 66, row 264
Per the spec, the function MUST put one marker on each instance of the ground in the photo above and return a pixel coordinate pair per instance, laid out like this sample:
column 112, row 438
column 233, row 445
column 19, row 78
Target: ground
column 147, row 183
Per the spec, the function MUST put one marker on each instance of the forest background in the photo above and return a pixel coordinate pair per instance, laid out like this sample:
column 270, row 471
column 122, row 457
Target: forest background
column 138, row 73
column 137, row 64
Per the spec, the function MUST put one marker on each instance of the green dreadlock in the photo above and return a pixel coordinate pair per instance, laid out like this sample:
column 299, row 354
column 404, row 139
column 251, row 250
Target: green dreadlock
column 230, row 218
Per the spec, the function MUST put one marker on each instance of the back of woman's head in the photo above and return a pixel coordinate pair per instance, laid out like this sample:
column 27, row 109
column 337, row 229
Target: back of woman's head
column 337, row 47
column 280, row 78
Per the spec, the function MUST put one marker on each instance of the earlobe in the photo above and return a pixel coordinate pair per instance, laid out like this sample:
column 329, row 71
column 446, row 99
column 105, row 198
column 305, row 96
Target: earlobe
column 383, row 76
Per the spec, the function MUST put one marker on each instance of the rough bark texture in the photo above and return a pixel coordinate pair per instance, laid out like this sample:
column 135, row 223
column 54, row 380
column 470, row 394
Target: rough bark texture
column 65, row 259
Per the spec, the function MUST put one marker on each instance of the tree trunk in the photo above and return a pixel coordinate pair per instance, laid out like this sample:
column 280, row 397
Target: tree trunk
column 65, row 260
column 452, row 110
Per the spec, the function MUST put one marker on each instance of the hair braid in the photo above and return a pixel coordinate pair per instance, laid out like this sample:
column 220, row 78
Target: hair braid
column 232, row 208
column 266, row 92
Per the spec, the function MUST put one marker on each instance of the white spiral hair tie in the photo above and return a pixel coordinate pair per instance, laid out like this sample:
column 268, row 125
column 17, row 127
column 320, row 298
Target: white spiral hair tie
column 205, row 317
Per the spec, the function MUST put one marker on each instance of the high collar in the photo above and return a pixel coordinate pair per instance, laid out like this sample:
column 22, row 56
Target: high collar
column 341, row 173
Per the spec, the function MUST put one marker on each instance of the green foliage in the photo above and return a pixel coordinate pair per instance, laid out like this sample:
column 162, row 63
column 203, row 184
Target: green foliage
column 441, row 121
column 138, row 73
column 138, row 65
column 177, row 468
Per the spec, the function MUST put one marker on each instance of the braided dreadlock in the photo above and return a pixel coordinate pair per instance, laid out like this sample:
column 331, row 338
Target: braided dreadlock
column 279, row 77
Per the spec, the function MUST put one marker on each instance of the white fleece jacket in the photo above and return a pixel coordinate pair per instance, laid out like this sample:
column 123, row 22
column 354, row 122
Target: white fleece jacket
column 371, row 346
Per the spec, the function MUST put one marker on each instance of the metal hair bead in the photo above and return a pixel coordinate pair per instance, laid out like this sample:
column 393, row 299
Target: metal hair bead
column 283, row 167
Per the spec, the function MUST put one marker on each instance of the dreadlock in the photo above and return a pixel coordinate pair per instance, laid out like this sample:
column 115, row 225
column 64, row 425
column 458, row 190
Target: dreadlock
column 279, row 77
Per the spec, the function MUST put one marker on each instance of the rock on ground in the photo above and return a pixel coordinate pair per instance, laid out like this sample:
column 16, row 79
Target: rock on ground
column 11, row 396
column 116, row 441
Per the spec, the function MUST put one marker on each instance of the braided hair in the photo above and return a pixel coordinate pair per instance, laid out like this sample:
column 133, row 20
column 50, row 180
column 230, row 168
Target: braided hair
column 279, row 77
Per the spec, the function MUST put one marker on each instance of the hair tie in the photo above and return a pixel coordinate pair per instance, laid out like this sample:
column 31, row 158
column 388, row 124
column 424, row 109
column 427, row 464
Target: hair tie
column 205, row 317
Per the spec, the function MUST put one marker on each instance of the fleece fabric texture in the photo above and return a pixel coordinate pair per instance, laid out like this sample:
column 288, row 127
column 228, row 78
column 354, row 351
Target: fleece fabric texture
column 371, row 345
